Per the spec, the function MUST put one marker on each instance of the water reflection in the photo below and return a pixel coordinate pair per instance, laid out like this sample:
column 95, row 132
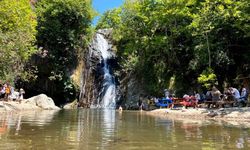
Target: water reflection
column 108, row 126
column 108, row 129
column 240, row 143
column 14, row 125
column 3, row 125
column 14, row 120
column 40, row 118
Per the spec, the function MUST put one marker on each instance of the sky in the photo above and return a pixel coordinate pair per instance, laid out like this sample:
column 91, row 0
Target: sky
column 103, row 5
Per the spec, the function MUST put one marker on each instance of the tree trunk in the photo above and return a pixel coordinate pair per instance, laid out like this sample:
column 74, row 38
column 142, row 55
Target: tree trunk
column 209, row 52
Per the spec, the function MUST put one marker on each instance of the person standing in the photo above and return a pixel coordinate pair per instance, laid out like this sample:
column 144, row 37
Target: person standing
column 21, row 93
column 166, row 92
column 120, row 108
column 140, row 103
column 7, row 91
column 208, row 98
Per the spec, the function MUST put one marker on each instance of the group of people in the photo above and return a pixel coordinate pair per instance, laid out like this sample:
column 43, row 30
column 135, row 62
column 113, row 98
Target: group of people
column 196, row 99
column 8, row 92
column 231, row 93
column 239, row 97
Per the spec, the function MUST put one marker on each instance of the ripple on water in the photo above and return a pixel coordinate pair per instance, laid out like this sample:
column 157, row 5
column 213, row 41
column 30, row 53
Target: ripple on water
column 95, row 129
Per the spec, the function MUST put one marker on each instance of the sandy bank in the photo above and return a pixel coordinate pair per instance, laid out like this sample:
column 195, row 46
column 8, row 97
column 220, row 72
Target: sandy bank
column 237, row 116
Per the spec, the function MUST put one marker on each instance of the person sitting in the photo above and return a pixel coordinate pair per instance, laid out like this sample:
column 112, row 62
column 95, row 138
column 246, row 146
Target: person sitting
column 236, row 94
column 216, row 95
column 14, row 94
column 243, row 96
column 197, row 96
column 186, row 97
column 156, row 100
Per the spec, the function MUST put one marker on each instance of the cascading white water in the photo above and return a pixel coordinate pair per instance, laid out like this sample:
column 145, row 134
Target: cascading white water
column 108, row 92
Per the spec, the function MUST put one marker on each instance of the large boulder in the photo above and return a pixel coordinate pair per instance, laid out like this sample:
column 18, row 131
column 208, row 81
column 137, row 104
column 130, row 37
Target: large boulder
column 42, row 101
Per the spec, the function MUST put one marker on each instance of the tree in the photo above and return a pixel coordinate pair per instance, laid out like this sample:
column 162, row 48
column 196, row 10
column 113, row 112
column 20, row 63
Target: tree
column 153, row 40
column 159, row 39
column 62, row 33
column 219, row 32
column 110, row 19
column 17, row 36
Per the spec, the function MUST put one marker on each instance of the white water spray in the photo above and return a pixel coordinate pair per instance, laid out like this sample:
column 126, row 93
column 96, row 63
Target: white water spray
column 108, row 92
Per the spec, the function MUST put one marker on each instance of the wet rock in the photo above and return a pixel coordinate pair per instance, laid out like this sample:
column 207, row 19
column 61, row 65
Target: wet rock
column 212, row 114
column 72, row 105
column 221, row 109
column 131, row 90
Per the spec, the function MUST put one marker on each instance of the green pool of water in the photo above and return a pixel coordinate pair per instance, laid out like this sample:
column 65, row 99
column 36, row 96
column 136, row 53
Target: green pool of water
column 111, row 130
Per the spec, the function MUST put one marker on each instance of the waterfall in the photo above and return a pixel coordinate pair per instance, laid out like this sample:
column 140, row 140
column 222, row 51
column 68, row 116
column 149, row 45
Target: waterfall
column 98, row 85
column 107, row 94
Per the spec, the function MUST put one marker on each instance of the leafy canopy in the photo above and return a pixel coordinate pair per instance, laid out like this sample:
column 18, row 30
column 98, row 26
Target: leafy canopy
column 17, row 36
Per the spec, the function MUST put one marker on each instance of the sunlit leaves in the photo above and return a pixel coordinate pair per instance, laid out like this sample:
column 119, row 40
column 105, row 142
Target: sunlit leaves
column 62, row 24
column 181, row 38
column 110, row 19
column 207, row 78
column 17, row 36
column 154, row 32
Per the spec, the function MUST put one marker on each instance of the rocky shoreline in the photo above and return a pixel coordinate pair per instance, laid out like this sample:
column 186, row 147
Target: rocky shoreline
column 39, row 102
column 234, row 116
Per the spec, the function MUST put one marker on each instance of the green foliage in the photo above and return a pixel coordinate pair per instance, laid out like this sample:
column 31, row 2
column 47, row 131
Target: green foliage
column 207, row 78
column 158, row 39
column 17, row 36
column 62, row 34
column 62, row 27
column 110, row 19
column 154, row 33
column 215, row 30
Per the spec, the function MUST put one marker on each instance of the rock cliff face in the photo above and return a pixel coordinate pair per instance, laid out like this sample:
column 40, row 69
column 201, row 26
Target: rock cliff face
column 131, row 90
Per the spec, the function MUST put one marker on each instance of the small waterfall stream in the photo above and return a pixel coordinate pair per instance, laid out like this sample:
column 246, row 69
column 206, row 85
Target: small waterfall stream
column 107, row 95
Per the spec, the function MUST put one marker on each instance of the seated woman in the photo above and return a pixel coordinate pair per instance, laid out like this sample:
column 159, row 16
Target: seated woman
column 216, row 94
